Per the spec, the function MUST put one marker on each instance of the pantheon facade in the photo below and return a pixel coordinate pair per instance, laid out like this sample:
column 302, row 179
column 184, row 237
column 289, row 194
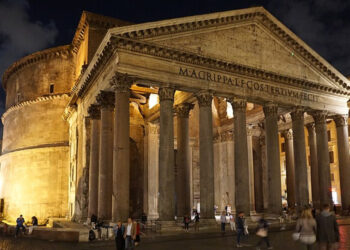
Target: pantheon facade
column 224, row 109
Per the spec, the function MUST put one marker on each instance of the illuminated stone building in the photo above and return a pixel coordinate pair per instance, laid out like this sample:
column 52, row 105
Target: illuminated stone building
column 159, row 117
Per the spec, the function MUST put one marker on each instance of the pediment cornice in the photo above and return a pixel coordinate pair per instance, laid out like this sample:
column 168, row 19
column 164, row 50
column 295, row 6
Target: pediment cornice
column 148, row 48
column 149, row 31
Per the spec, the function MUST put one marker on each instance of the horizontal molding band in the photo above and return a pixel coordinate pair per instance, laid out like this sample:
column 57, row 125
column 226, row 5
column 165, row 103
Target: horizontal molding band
column 49, row 145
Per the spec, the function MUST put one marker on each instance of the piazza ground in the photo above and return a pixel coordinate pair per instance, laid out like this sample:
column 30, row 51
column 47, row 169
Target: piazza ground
column 189, row 241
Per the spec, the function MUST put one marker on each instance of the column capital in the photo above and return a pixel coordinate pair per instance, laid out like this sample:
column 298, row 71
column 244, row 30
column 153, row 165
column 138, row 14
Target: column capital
column 106, row 99
column 319, row 116
column 310, row 126
column 166, row 93
column 287, row 134
column 297, row 113
column 341, row 120
column 121, row 82
column 183, row 109
column 270, row 109
column 238, row 104
column 249, row 131
column 94, row 111
column 204, row 98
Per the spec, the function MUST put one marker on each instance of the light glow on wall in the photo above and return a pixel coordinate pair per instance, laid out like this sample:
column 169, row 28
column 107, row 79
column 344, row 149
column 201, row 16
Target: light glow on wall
column 153, row 100
column 229, row 110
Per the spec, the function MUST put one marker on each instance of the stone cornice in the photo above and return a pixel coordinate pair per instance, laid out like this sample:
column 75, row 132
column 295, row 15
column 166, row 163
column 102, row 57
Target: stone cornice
column 92, row 19
column 30, row 102
column 61, row 51
column 256, row 14
column 120, row 43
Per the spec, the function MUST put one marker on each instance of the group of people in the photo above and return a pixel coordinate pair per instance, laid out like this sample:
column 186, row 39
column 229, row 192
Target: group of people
column 21, row 226
column 187, row 220
column 127, row 236
column 322, row 227
column 310, row 228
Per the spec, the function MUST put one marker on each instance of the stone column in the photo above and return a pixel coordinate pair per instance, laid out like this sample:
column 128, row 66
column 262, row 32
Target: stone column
column 273, row 158
column 152, row 131
column 301, row 178
column 324, row 174
column 206, row 155
column 106, row 100
column 341, row 123
column 121, row 149
column 251, row 169
column 313, row 166
column 166, row 201
column 264, row 169
column 95, row 116
column 289, row 151
column 242, row 177
column 183, row 188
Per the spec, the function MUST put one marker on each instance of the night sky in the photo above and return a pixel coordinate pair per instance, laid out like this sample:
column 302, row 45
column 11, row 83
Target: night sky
column 28, row 26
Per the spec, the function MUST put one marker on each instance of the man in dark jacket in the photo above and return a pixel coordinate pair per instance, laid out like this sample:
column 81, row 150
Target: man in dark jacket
column 240, row 224
column 327, row 229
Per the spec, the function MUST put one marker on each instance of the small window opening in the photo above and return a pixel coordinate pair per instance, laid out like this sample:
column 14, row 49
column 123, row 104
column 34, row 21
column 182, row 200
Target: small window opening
column 52, row 88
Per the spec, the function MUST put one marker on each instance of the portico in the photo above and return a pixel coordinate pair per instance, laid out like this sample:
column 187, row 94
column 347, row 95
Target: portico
column 197, row 73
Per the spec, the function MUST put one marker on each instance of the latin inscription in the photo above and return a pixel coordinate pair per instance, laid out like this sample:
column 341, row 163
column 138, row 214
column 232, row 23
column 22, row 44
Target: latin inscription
column 247, row 84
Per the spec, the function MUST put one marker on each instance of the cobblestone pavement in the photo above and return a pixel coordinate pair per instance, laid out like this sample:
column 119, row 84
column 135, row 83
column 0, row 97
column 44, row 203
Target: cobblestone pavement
column 183, row 241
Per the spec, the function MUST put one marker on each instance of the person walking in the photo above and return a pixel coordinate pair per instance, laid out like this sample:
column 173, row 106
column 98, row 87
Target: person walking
column 186, row 222
column 196, row 222
column 119, row 230
column 138, row 233
column 223, row 222
column 130, row 234
column 327, row 229
column 20, row 225
column 232, row 223
column 240, row 227
column 306, row 226
column 263, row 232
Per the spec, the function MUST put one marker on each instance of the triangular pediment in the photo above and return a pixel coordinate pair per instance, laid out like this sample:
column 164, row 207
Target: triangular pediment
column 251, row 37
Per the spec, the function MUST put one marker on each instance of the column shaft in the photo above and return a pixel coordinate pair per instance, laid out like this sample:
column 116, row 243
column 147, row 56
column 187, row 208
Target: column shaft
column 121, row 149
column 183, row 157
column 241, row 156
column 95, row 116
column 314, row 166
column 166, row 204
column 324, row 175
column 289, row 151
column 301, row 178
column 153, row 170
column 344, row 159
column 206, row 156
column 251, row 170
column 106, row 100
column 273, row 158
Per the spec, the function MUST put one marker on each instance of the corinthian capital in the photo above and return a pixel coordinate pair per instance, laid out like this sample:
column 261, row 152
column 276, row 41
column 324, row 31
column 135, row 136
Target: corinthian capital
column 297, row 113
column 287, row 134
column 166, row 93
column 106, row 99
column 270, row 109
column 341, row 120
column 238, row 104
column 94, row 112
column 319, row 116
column 121, row 82
column 183, row 109
column 204, row 98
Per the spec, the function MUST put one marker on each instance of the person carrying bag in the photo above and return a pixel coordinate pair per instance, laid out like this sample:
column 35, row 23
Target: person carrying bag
column 306, row 227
